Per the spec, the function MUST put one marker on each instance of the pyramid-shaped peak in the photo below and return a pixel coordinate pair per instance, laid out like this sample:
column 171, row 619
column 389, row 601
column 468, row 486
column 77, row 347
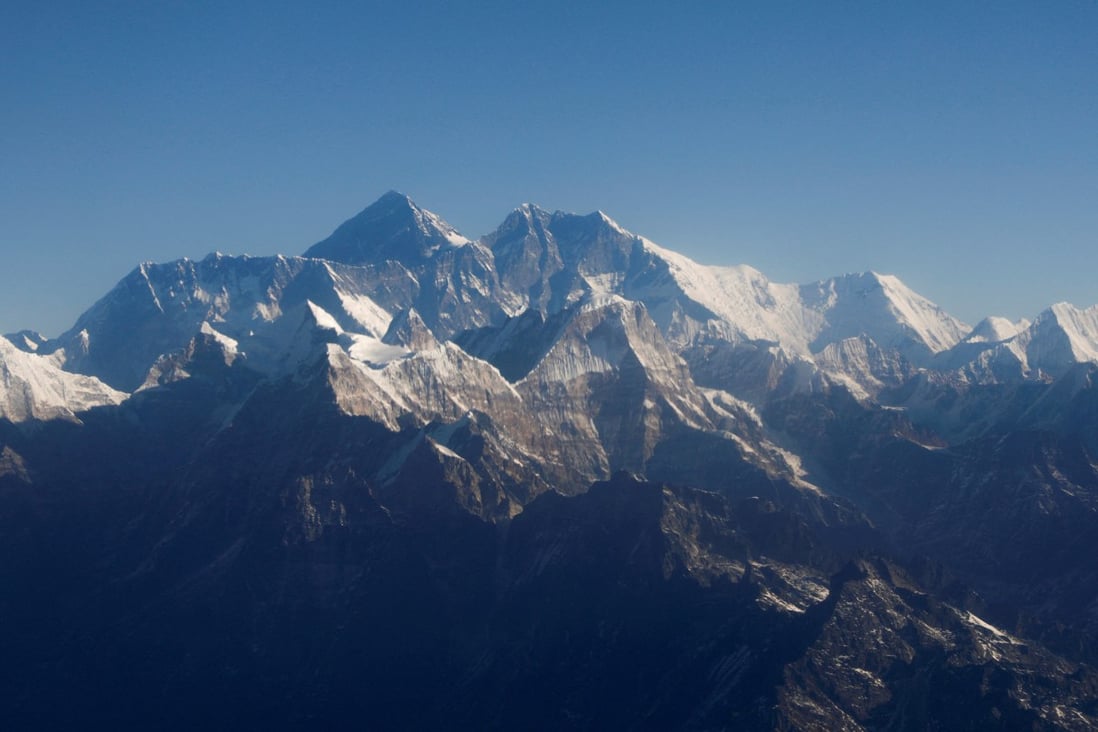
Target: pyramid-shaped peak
column 525, row 215
column 408, row 329
column 394, row 202
column 393, row 227
column 394, row 196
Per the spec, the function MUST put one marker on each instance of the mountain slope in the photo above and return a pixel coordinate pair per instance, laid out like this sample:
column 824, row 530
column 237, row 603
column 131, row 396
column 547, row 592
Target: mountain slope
column 884, row 309
column 157, row 309
column 1056, row 340
column 33, row 387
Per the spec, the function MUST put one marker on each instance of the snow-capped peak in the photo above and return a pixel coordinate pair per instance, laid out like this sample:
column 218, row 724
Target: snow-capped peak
column 531, row 210
column 526, row 219
column 885, row 309
column 995, row 329
column 1079, row 326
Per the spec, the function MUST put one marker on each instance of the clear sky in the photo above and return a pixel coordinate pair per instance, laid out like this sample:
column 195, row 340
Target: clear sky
column 952, row 144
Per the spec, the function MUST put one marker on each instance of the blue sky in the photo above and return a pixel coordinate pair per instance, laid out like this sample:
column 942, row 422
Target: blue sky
column 952, row 144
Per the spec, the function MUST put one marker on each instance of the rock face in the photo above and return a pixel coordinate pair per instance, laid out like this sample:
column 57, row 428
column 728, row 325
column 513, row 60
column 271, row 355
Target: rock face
column 556, row 478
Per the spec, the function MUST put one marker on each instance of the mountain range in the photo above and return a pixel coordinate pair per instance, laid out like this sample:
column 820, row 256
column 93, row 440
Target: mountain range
column 557, row 477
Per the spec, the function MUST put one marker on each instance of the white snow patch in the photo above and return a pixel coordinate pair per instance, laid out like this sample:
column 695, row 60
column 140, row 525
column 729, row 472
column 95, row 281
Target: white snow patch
column 997, row 632
column 768, row 599
column 35, row 387
column 444, row 450
column 754, row 307
column 428, row 220
column 323, row 318
column 373, row 351
column 231, row 346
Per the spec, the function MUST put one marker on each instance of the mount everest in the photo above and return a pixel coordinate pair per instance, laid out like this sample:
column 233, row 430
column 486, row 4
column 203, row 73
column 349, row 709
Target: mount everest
column 395, row 259
column 740, row 482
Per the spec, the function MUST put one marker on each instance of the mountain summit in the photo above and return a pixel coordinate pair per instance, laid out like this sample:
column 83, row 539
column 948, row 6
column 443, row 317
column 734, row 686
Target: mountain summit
column 391, row 228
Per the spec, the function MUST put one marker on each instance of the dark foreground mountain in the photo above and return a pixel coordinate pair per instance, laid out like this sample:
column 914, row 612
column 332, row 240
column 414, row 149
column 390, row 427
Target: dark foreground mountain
column 555, row 478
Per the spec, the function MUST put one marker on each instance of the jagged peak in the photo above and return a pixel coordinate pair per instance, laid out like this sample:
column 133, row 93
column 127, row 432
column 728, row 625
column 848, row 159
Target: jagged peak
column 531, row 209
column 596, row 218
column 524, row 218
column 28, row 341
